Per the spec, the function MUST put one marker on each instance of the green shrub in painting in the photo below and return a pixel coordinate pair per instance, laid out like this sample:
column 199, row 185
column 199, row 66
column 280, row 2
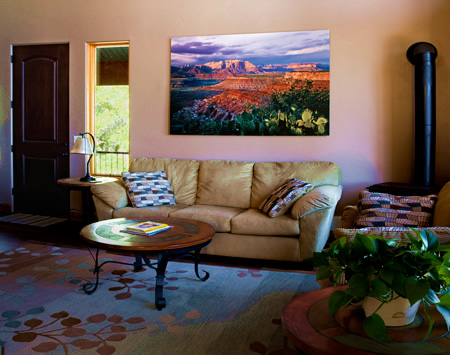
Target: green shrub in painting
column 299, row 110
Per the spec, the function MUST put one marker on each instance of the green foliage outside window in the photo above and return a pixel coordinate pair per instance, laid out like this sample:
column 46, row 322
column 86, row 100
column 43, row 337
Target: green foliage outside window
column 112, row 129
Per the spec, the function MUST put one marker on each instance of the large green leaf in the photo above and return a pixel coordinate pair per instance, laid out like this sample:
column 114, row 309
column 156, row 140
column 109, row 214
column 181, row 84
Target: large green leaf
column 416, row 289
column 431, row 298
column 358, row 286
column 324, row 272
column 445, row 311
column 377, row 288
column 375, row 328
column 414, row 242
column 337, row 300
column 387, row 275
column 363, row 245
column 319, row 259
column 445, row 300
column 398, row 284
column 430, row 241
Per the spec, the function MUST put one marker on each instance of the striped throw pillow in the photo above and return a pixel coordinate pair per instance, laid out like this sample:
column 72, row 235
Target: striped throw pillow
column 385, row 210
column 279, row 201
column 148, row 189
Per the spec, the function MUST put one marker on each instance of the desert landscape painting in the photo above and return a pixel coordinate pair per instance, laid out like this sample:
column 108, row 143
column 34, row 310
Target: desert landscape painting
column 266, row 84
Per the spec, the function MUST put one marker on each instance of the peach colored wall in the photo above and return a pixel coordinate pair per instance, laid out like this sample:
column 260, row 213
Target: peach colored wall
column 371, row 79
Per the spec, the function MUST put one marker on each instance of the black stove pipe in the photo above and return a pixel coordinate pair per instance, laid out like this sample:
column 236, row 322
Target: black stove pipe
column 422, row 55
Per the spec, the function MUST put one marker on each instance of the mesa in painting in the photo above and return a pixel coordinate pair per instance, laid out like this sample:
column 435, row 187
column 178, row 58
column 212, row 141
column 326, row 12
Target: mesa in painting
column 264, row 84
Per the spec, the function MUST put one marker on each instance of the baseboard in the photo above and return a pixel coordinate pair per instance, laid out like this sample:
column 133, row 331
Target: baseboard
column 5, row 208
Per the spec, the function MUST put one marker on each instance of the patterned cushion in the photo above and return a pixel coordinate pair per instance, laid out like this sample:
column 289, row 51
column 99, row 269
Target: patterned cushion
column 148, row 189
column 284, row 197
column 385, row 210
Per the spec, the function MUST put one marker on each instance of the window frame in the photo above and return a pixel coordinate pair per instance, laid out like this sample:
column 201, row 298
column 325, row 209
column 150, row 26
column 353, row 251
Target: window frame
column 91, row 66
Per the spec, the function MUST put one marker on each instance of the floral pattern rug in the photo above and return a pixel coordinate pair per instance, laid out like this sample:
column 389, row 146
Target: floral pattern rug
column 43, row 309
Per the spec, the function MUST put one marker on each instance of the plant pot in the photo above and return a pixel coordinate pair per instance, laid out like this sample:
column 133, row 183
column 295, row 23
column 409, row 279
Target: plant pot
column 396, row 313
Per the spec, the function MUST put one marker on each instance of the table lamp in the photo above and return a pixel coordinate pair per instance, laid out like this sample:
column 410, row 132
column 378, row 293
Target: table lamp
column 83, row 146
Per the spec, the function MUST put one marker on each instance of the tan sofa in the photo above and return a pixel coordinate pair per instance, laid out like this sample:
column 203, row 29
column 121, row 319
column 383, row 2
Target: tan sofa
column 227, row 194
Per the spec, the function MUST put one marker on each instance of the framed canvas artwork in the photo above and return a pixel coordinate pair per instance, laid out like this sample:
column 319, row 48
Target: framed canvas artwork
column 264, row 84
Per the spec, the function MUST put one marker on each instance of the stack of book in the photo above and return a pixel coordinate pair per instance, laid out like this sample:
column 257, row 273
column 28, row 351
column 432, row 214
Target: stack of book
column 146, row 228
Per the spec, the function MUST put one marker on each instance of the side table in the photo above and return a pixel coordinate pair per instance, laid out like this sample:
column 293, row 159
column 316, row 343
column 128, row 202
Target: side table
column 308, row 324
column 86, row 196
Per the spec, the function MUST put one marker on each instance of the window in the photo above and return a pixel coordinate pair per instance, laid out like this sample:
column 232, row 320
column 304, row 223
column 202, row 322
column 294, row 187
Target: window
column 108, row 106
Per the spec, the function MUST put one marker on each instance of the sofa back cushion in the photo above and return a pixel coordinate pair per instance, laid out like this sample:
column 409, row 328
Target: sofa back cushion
column 268, row 176
column 225, row 183
column 182, row 175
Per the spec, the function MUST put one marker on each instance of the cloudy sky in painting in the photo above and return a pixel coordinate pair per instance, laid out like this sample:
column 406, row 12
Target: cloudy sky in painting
column 258, row 48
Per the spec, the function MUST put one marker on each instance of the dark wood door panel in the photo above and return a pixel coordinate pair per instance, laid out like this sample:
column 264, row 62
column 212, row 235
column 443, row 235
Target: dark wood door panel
column 38, row 194
column 39, row 72
column 40, row 128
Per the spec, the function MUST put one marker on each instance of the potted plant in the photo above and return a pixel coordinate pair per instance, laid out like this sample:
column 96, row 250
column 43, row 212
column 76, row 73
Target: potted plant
column 418, row 270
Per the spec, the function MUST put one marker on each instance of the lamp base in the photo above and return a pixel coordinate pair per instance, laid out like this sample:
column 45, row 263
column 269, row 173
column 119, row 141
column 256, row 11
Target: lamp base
column 87, row 178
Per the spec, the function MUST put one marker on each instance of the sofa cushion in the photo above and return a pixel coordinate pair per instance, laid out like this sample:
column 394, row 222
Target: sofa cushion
column 253, row 221
column 442, row 233
column 283, row 248
column 148, row 189
column 182, row 175
column 267, row 176
column 386, row 210
column 225, row 183
column 146, row 212
column 280, row 200
column 218, row 216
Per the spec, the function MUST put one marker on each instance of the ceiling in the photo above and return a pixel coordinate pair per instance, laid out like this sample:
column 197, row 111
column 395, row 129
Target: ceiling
column 112, row 54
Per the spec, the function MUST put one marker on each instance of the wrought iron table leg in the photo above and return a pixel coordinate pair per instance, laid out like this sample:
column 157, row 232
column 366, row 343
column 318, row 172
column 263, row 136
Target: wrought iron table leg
column 197, row 258
column 88, row 287
column 160, row 301
column 138, row 263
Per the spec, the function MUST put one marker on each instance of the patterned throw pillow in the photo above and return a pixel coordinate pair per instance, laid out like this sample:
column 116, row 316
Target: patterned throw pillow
column 148, row 189
column 284, row 197
column 385, row 210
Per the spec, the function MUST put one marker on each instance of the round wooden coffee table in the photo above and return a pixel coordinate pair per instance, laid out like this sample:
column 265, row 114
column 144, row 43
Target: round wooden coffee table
column 184, row 237
column 307, row 323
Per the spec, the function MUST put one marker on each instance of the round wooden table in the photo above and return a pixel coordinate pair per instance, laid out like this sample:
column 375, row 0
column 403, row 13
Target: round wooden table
column 184, row 237
column 307, row 323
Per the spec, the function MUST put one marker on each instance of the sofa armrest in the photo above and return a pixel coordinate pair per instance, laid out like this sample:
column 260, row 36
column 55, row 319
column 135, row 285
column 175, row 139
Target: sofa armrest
column 103, row 210
column 348, row 216
column 112, row 194
column 315, row 212
column 441, row 215
column 320, row 198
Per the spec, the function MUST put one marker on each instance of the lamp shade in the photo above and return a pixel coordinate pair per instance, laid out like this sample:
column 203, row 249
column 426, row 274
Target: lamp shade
column 82, row 145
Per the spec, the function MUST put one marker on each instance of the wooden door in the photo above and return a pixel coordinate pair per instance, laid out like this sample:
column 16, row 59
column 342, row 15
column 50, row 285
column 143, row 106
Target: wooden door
column 40, row 128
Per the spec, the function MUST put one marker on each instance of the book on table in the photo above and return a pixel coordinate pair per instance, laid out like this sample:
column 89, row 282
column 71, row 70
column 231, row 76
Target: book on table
column 146, row 228
column 147, row 233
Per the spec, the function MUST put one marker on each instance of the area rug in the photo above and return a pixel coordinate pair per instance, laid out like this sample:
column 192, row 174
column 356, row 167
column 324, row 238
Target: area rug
column 43, row 309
